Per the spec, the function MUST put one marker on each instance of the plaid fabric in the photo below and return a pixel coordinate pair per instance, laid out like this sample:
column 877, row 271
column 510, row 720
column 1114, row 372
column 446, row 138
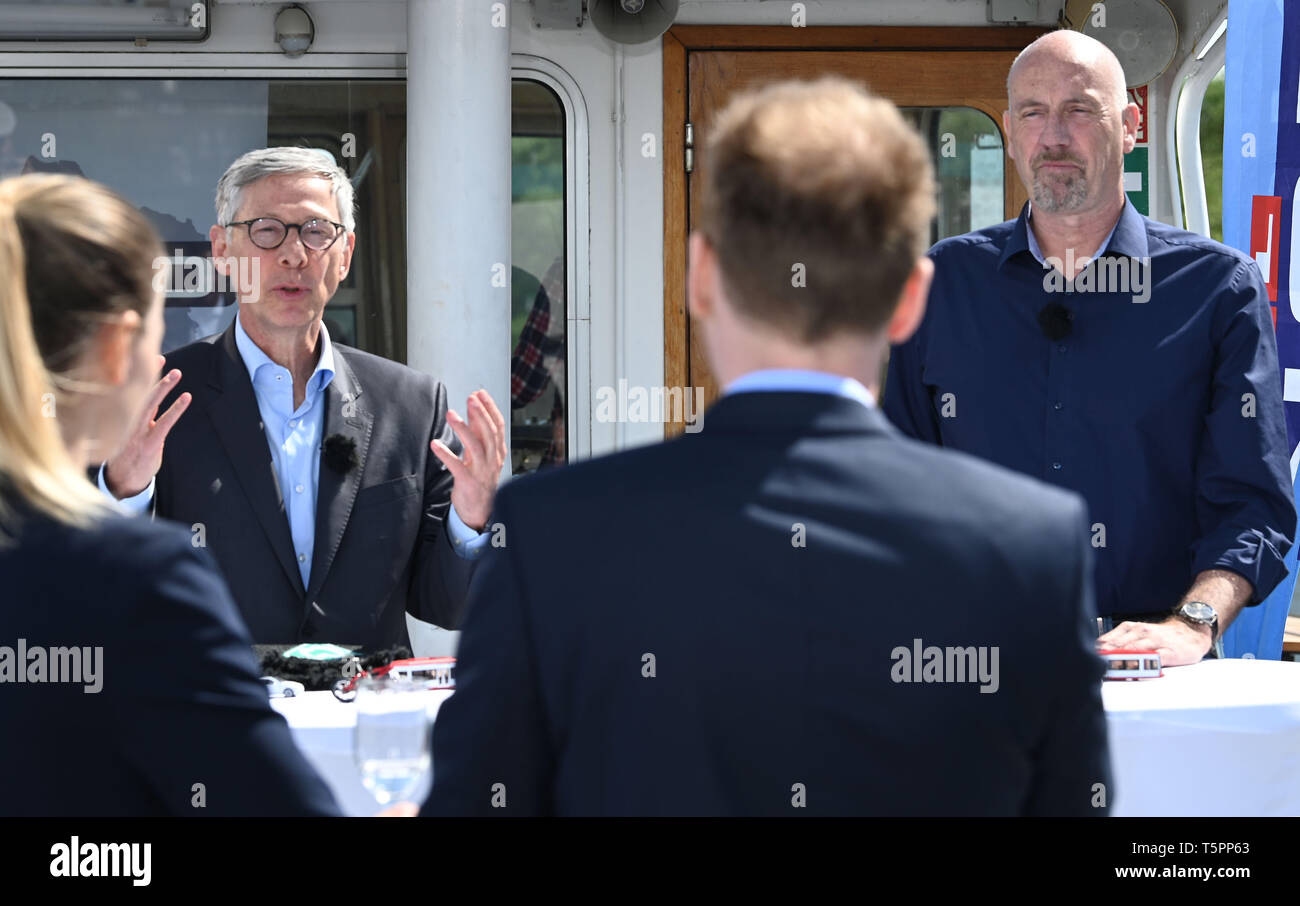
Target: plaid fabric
column 538, row 359
column 528, row 374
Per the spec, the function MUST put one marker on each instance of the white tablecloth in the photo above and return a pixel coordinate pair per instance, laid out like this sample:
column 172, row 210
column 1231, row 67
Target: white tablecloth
column 322, row 726
column 1216, row 738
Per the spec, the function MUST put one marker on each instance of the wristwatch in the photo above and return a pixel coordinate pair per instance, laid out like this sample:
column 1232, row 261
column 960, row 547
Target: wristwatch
column 1198, row 613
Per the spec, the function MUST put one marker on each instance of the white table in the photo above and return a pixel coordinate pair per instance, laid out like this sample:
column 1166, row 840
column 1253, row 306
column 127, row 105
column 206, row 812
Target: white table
column 322, row 727
column 1216, row 738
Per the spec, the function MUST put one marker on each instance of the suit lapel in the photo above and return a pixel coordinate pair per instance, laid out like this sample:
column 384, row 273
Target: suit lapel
column 238, row 423
column 345, row 414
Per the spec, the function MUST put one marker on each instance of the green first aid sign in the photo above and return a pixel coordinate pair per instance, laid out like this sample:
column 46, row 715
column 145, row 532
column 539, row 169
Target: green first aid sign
column 1137, row 179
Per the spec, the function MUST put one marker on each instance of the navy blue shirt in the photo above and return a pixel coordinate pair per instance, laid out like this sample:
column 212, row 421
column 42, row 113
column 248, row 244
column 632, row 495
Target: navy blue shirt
column 1162, row 406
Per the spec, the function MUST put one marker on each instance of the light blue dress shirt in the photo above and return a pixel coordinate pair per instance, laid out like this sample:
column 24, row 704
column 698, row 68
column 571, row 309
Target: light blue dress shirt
column 294, row 436
column 1037, row 251
column 770, row 380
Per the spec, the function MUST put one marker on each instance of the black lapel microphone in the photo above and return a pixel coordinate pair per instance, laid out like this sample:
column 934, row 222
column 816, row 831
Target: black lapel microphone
column 1056, row 321
column 340, row 453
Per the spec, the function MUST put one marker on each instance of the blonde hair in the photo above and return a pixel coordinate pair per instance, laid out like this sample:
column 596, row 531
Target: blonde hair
column 822, row 180
column 71, row 253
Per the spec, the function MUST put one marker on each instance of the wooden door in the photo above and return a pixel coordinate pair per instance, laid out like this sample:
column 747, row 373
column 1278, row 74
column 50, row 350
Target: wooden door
column 961, row 72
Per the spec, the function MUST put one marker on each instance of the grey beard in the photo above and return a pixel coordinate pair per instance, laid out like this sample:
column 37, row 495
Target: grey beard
column 1049, row 197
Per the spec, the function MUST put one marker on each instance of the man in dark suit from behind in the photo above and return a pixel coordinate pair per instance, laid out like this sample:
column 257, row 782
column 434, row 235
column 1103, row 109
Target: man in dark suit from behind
column 796, row 610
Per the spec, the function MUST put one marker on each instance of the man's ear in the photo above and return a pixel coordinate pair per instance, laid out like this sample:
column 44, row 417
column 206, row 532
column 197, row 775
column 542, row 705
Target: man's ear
column 115, row 340
column 911, row 303
column 217, row 236
column 701, row 276
column 1006, row 130
column 347, row 255
column 1130, row 120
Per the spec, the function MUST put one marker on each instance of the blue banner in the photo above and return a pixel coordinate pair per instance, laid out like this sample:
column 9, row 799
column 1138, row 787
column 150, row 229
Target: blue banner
column 1261, row 168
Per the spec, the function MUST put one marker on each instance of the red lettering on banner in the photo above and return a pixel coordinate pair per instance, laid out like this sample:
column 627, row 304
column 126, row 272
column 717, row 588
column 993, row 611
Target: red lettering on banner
column 1138, row 96
column 1265, row 239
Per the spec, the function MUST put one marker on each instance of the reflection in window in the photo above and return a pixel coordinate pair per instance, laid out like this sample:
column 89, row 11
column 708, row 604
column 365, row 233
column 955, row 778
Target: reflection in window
column 537, row 305
column 966, row 147
column 362, row 124
column 164, row 143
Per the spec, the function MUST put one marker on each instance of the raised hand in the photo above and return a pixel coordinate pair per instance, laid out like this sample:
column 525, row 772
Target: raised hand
column 477, row 471
column 130, row 472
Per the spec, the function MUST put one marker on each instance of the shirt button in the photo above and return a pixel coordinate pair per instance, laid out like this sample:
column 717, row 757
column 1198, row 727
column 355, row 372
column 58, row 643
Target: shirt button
column 1058, row 406
column 293, row 423
column 302, row 558
column 279, row 377
column 1056, row 466
column 1060, row 349
column 298, row 489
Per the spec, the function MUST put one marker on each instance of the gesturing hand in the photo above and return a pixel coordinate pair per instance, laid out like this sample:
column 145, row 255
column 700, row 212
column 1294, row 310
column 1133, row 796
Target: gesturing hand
column 131, row 470
column 476, row 473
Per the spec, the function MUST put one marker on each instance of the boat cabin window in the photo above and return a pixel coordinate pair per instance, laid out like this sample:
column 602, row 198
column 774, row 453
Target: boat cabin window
column 966, row 147
column 164, row 143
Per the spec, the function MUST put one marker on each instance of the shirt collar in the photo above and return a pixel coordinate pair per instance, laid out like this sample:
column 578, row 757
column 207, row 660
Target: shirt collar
column 801, row 381
column 1130, row 234
column 1127, row 237
column 255, row 359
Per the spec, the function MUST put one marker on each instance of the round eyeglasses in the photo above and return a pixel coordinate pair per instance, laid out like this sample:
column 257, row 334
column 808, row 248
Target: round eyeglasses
column 269, row 232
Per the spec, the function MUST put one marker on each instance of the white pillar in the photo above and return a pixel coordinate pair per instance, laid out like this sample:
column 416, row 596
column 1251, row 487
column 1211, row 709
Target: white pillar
column 458, row 196
column 458, row 210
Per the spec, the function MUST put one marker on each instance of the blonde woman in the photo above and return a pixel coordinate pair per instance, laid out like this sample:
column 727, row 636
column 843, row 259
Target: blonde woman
column 127, row 683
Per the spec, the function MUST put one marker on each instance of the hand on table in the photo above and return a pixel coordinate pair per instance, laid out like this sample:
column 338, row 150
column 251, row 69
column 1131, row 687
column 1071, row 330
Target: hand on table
column 478, row 471
column 130, row 471
column 1175, row 640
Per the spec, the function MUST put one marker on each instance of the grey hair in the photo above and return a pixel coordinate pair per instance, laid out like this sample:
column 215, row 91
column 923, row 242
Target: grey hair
column 264, row 162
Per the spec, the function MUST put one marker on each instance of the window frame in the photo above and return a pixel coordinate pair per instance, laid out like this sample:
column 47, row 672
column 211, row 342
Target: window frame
column 577, row 245
column 127, row 65
column 1183, row 130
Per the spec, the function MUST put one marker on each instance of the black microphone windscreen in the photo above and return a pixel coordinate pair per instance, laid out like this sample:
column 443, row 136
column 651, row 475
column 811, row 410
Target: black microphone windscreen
column 1055, row 321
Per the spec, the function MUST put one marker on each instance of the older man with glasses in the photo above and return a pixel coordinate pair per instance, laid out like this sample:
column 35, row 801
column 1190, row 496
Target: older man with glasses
column 336, row 489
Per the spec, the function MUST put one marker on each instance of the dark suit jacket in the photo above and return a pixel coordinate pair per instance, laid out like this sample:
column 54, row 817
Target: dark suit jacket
column 689, row 657
column 180, row 702
column 381, row 545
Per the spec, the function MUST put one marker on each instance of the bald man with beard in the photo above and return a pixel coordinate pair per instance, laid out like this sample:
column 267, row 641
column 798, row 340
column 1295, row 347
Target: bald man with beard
column 1115, row 356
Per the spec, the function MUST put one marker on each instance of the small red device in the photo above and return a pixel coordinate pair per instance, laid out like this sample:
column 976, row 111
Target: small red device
column 1127, row 664
column 430, row 672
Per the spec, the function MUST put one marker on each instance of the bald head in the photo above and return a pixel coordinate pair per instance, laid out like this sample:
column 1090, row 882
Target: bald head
column 1071, row 50
column 1069, row 124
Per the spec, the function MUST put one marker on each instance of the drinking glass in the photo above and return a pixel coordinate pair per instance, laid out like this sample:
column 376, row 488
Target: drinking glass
column 391, row 739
